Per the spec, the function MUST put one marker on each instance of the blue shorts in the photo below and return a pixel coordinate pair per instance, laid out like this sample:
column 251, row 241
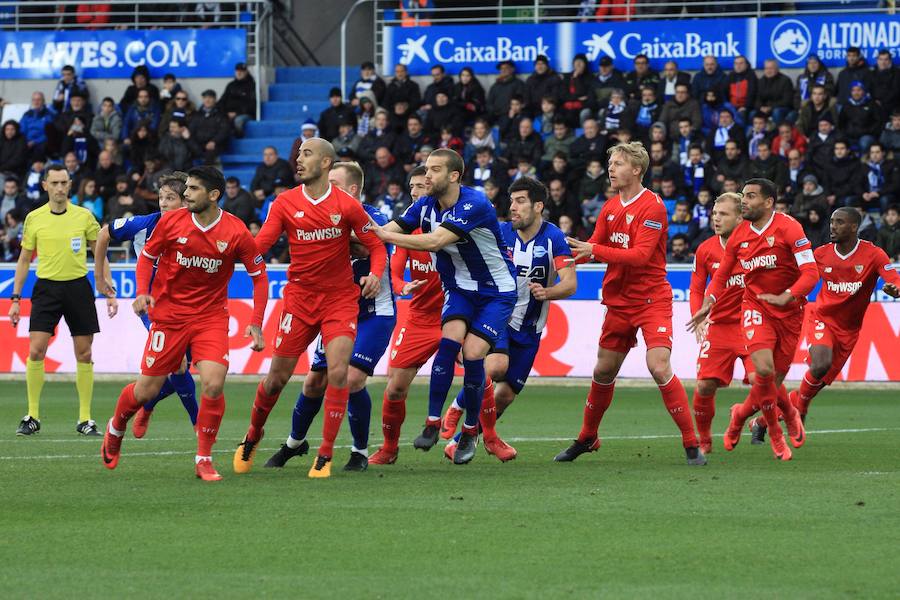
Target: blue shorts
column 373, row 335
column 521, row 347
column 486, row 316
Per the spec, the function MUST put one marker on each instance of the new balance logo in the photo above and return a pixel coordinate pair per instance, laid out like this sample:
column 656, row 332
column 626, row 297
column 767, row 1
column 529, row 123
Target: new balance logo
column 299, row 214
column 182, row 240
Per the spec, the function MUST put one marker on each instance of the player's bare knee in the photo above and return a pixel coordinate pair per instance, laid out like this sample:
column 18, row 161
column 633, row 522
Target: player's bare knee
column 212, row 387
column 818, row 370
column 274, row 383
column 495, row 372
column 765, row 370
column 604, row 374
column 707, row 387
column 337, row 376
column 356, row 379
column 36, row 354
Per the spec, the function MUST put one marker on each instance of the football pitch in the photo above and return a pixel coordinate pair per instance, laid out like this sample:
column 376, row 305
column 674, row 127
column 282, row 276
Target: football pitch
column 632, row 520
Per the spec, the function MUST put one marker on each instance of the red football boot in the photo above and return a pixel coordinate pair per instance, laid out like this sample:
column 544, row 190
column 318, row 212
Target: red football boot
column 206, row 471
column 779, row 447
column 383, row 457
column 450, row 450
column 735, row 426
column 500, row 449
column 141, row 422
column 111, row 448
column 796, row 430
column 450, row 422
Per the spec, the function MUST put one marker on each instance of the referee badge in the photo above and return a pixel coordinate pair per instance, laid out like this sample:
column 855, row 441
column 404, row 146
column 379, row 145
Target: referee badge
column 76, row 244
column 221, row 245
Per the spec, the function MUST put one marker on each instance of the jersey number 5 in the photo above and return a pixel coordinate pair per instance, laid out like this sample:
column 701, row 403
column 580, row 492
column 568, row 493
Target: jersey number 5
column 752, row 317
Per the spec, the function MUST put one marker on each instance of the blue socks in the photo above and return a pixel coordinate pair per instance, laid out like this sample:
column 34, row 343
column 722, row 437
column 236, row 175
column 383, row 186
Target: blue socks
column 442, row 376
column 359, row 414
column 184, row 387
column 165, row 391
column 304, row 412
column 473, row 389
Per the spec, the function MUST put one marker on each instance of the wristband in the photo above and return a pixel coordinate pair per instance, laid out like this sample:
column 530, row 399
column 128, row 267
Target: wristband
column 15, row 297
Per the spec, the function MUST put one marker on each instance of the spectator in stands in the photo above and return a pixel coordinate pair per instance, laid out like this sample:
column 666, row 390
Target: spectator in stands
column 559, row 168
column 106, row 174
column 142, row 143
column 147, row 183
column 123, row 203
column 449, row 140
column 570, row 229
column 588, row 145
column 661, row 166
column 12, row 236
column 618, row 114
column 711, row 77
column 142, row 110
column 179, row 107
column 814, row 74
column 526, row 144
column 108, row 123
column 889, row 234
column 79, row 141
column 561, row 203
column 726, row 130
column 94, row 15
column 856, row 70
column 670, row 78
column 679, row 252
column 272, row 167
column 740, row 88
column 591, row 191
column 410, row 142
column 380, row 135
column 62, row 124
column 640, row 77
column 368, row 81
column 468, row 96
column 381, row 172
column 238, row 101
column 481, row 138
column 13, row 198
column 890, row 137
column 682, row 222
column 209, row 128
column 860, row 118
column 543, row 122
column 608, row 78
column 797, row 171
column 811, row 195
column 686, row 138
column 177, row 147
column 65, row 86
column 759, row 131
column 443, row 114
column 89, row 198
column 365, row 112
column 13, row 151
column 821, row 147
column 239, row 202
column 788, row 138
column 543, row 82
column 34, row 124
column 329, row 120
column 702, row 211
column 393, row 202
column 696, row 171
column 885, row 88
column 578, row 99
column 307, row 131
column 816, row 226
column 170, row 89
column 498, row 200
column 844, row 177
column 508, row 123
column 399, row 116
column 605, row 10
column 819, row 103
column 731, row 163
column 485, row 168
column 505, row 87
column 76, row 171
column 768, row 166
column 140, row 80
column 347, row 139
column 402, row 89
column 882, row 183
column 561, row 141
column 439, row 82
column 646, row 114
column 33, row 191
column 670, row 194
column 682, row 106
column 775, row 94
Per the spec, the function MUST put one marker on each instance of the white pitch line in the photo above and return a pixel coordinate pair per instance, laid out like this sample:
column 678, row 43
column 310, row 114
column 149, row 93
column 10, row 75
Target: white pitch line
column 511, row 439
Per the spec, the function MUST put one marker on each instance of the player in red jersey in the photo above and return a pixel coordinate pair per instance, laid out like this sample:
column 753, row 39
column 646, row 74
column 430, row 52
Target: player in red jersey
column 321, row 295
column 719, row 336
column 196, row 249
column 849, row 268
column 630, row 236
column 779, row 271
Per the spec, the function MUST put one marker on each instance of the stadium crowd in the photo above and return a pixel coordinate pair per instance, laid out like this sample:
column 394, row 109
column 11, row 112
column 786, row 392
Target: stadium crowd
column 827, row 140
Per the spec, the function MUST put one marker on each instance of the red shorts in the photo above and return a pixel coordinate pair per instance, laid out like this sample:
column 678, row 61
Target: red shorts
column 167, row 344
column 765, row 332
column 621, row 324
column 819, row 332
column 307, row 313
column 723, row 345
column 414, row 343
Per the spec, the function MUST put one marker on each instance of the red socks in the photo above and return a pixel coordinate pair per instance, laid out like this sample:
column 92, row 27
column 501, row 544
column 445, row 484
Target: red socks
column 764, row 395
column 125, row 408
column 809, row 387
column 704, row 411
column 393, row 413
column 488, row 417
column 335, row 408
column 208, row 420
column 676, row 401
column 262, row 406
column 598, row 400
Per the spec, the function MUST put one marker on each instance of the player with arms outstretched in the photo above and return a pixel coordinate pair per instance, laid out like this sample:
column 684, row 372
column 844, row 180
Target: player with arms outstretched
column 779, row 269
column 194, row 250
column 138, row 230
column 630, row 235
column 720, row 338
column 321, row 295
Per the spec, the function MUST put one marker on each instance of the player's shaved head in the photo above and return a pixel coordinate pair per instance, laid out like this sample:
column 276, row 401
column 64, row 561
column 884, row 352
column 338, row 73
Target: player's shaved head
column 315, row 159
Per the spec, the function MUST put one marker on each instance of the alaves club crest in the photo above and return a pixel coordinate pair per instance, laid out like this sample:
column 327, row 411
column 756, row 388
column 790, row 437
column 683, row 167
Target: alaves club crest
column 221, row 245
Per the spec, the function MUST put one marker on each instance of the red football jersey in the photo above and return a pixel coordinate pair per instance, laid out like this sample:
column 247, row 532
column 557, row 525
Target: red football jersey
column 848, row 282
column 428, row 300
column 318, row 232
column 196, row 263
column 707, row 260
column 630, row 236
column 771, row 259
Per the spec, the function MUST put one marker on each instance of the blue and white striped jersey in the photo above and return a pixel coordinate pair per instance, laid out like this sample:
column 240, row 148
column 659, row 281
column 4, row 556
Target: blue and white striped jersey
column 381, row 305
column 136, row 229
column 478, row 262
column 536, row 260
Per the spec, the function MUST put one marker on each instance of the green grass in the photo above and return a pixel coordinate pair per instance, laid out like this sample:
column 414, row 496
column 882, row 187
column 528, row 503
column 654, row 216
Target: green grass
column 629, row 521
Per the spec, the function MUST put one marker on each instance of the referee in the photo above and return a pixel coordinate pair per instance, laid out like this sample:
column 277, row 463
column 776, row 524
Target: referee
column 61, row 233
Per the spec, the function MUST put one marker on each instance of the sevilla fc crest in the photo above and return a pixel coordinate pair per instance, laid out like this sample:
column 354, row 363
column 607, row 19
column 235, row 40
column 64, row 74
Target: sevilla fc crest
column 150, row 360
column 819, row 336
column 221, row 245
column 335, row 219
column 278, row 341
column 859, row 268
column 771, row 240
column 629, row 218
column 750, row 333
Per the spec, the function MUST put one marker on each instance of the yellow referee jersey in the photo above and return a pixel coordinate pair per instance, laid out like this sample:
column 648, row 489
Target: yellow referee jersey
column 60, row 240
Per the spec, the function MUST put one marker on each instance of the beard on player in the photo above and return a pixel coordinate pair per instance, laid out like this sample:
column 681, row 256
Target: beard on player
column 522, row 218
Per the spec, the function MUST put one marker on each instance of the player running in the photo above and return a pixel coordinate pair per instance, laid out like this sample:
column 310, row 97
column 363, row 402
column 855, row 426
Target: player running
column 540, row 254
column 321, row 295
column 194, row 250
column 138, row 230
column 630, row 236
column 779, row 271
column 459, row 225
column 720, row 338
column 377, row 317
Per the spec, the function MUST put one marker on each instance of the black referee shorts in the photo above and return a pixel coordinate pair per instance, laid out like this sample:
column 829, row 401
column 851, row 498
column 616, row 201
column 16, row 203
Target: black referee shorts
column 72, row 300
